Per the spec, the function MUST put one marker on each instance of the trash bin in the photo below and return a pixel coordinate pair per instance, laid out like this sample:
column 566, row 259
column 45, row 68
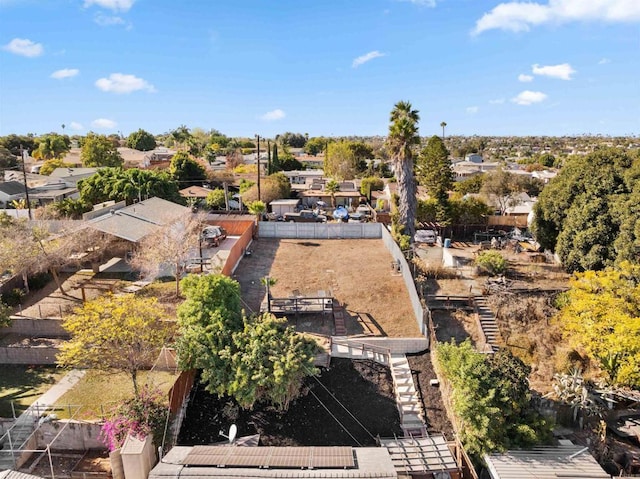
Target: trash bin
column 447, row 242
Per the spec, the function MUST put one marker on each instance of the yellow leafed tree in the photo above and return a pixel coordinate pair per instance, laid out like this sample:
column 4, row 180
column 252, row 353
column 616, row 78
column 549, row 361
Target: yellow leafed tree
column 601, row 317
column 116, row 334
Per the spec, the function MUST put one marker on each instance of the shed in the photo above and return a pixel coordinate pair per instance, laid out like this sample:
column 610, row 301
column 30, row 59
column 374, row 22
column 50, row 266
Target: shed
column 565, row 461
column 280, row 207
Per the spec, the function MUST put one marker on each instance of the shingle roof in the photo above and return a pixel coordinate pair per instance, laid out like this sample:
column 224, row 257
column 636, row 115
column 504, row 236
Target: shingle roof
column 11, row 188
column 136, row 221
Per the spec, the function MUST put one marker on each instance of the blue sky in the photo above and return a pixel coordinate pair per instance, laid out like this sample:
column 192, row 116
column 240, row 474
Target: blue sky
column 323, row 67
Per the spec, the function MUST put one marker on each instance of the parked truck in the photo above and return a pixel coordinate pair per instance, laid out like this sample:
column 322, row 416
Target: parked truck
column 305, row 216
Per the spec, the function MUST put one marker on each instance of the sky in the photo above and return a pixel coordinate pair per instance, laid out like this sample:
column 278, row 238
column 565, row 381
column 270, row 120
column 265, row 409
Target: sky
column 322, row 67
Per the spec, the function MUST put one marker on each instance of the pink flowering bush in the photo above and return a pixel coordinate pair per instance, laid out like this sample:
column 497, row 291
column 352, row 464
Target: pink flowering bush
column 140, row 416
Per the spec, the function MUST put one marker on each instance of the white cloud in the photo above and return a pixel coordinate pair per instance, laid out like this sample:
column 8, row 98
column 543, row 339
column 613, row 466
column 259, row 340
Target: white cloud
column 273, row 115
column 521, row 16
column 472, row 110
column 121, row 83
column 366, row 58
column 115, row 5
column 604, row 61
column 108, row 20
column 422, row 3
column 75, row 126
column 525, row 78
column 497, row 101
column 562, row 71
column 24, row 47
column 104, row 123
column 65, row 73
column 529, row 97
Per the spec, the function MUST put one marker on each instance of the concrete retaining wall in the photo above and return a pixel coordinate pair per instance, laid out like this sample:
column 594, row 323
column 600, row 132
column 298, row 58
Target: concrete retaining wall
column 76, row 436
column 416, row 304
column 41, row 356
column 44, row 328
column 275, row 229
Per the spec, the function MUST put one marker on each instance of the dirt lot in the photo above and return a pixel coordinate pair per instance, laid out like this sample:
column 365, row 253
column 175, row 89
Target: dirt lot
column 364, row 388
column 357, row 273
column 94, row 463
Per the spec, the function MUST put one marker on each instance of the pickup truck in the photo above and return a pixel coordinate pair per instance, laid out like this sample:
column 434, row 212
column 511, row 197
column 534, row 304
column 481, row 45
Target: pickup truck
column 305, row 216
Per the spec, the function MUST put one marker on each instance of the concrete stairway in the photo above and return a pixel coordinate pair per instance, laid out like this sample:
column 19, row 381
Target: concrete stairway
column 488, row 324
column 407, row 399
column 16, row 437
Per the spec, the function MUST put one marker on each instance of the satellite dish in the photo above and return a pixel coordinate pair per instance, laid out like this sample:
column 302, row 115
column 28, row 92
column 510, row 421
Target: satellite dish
column 233, row 432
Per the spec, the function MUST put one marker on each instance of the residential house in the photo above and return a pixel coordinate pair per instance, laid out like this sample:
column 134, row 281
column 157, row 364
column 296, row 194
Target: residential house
column 71, row 176
column 348, row 196
column 11, row 191
column 301, row 180
column 159, row 155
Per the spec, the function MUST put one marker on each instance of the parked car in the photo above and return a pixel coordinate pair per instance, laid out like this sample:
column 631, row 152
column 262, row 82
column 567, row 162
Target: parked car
column 425, row 236
column 305, row 216
column 357, row 218
column 213, row 235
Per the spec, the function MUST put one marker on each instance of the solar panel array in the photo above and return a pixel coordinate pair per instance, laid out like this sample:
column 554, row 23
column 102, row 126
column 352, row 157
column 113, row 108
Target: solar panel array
column 338, row 457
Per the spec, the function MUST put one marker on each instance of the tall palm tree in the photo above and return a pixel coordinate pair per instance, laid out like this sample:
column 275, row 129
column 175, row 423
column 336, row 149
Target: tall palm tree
column 443, row 125
column 403, row 136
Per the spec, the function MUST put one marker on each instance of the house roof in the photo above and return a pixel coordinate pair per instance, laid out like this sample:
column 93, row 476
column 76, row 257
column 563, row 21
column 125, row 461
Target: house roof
column 10, row 474
column 136, row 221
column 12, row 188
column 371, row 462
column 72, row 172
column 565, row 461
column 195, row 192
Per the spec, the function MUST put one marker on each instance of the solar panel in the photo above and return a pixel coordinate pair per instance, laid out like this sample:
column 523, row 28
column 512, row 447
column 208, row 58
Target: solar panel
column 271, row 457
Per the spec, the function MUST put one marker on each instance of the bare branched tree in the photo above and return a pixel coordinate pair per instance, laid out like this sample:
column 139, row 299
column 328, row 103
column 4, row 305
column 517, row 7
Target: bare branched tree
column 170, row 247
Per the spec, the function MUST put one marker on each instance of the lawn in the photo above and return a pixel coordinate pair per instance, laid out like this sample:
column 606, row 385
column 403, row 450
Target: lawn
column 98, row 392
column 22, row 385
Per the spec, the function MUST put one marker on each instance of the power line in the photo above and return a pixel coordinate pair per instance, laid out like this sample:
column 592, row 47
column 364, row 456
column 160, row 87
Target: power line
column 335, row 418
column 344, row 407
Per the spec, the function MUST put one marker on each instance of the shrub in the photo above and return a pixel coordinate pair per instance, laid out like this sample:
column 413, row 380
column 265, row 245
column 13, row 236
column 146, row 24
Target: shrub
column 492, row 262
column 13, row 297
column 39, row 280
column 140, row 416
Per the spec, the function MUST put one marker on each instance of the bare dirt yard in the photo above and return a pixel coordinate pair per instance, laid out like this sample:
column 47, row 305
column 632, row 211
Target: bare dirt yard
column 357, row 273
column 349, row 403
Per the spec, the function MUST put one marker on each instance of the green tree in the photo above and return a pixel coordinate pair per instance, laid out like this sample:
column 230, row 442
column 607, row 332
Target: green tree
column 98, row 150
column 502, row 189
column 315, row 145
column 186, row 170
column 216, row 199
column 344, row 160
column 181, row 136
column 271, row 362
column 7, row 159
column 275, row 160
column 601, row 317
column 433, row 169
column 332, row 187
column 371, row 183
column 118, row 184
column 294, row 140
column 250, row 359
column 51, row 146
column 14, row 143
column 469, row 185
column 273, row 187
column 115, row 333
column 492, row 262
column 581, row 212
column 141, row 140
column 403, row 137
column 490, row 399
column 69, row 208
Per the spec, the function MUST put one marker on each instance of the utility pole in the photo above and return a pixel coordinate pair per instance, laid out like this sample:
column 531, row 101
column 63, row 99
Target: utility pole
column 258, row 161
column 24, row 175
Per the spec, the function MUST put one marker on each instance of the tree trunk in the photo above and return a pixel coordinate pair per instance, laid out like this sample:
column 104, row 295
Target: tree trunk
column 25, row 279
column 134, row 379
column 56, row 278
column 407, row 195
column 178, row 280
